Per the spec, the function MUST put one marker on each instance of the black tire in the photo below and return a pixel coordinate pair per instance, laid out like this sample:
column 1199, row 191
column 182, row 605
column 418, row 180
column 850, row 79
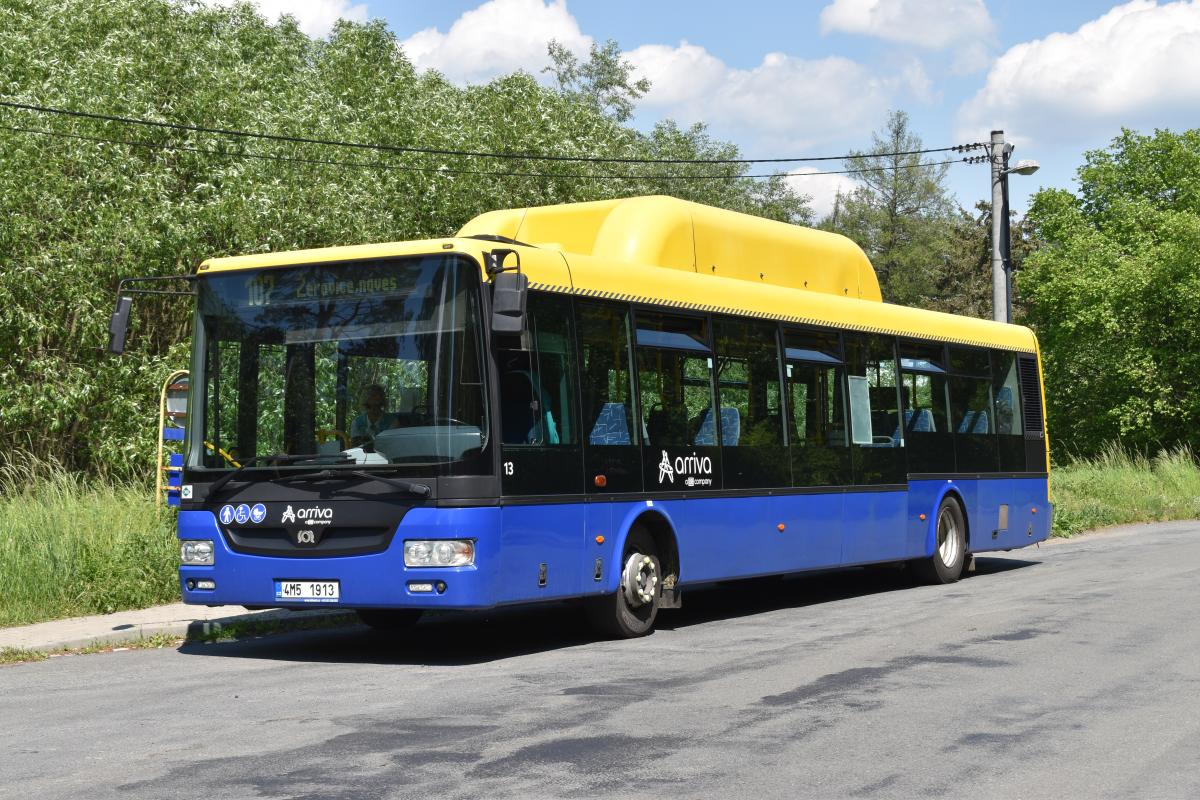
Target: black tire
column 389, row 619
column 949, row 556
column 613, row 615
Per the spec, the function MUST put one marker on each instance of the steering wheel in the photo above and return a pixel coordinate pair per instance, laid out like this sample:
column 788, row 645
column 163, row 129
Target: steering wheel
column 325, row 434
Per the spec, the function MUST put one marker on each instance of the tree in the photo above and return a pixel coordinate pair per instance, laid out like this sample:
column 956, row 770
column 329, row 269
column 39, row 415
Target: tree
column 605, row 80
column 963, row 281
column 1114, row 295
column 94, row 201
column 899, row 213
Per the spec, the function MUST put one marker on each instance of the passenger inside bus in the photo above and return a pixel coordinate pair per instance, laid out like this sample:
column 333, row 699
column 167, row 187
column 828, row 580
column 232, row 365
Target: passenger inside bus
column 526, row 415
column 374, row 418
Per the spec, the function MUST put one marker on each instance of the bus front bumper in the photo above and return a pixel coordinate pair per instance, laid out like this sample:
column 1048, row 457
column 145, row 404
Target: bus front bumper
column 379, row 580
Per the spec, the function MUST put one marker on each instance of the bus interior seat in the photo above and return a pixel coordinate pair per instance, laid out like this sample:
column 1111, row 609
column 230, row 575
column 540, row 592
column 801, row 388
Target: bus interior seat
column 731, row 427
column 974, row 422
column 916, row 420
column 612, row 425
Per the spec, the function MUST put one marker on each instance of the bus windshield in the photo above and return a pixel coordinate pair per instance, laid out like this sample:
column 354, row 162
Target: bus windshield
column 372, row 363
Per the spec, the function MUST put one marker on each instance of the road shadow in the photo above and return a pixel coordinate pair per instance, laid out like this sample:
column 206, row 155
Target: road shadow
column 476, row 637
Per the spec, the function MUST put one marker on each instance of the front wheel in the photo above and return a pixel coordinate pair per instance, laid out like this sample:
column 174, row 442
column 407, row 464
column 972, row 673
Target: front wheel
column 949, row 548
column 632, row 609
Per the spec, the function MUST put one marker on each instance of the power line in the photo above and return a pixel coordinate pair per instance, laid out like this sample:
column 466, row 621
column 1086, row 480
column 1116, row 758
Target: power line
column 464, row 153
column 446, row 170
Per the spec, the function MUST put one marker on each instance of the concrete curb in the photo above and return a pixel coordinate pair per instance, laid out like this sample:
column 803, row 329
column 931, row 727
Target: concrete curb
column 176, row 620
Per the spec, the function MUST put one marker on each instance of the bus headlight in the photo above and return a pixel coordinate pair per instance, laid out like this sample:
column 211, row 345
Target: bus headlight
column 196, row 553
column 439, row 553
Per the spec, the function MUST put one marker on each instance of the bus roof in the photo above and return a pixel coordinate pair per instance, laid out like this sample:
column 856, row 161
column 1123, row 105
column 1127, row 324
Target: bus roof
column 669, row 252
column 675, row 234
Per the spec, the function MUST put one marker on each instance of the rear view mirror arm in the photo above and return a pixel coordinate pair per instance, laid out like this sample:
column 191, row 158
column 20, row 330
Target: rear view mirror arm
column 118, row 324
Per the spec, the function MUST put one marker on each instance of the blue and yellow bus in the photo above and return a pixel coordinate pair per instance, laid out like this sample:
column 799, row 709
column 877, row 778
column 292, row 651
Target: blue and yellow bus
column 605, row 402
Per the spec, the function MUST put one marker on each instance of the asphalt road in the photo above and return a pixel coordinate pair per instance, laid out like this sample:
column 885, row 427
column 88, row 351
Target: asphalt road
column 1072, row 670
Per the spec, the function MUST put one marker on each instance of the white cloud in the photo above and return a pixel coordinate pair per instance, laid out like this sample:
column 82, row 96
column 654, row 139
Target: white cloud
column 496, row 38
column 932, row 24
column 677, row 74
column 1138, row 65
column 823, row 189
column 315, row 17
column 782, row 102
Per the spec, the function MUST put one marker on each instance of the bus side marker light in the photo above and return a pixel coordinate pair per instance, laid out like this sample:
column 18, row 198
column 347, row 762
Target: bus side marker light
column 780, row 526
column 1033, row 510
column 921, row 517
column 601, row 481
column 599, row 539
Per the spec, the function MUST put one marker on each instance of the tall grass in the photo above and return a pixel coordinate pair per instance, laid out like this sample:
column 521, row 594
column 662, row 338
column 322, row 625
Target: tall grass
column 72, row 546
column 1117, row 487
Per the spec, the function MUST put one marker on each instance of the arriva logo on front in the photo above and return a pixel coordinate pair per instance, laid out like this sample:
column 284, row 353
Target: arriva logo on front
column 313, row 516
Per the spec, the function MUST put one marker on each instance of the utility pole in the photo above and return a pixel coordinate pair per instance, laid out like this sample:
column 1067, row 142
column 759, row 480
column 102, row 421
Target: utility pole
column 998, row 153
column 999, row 161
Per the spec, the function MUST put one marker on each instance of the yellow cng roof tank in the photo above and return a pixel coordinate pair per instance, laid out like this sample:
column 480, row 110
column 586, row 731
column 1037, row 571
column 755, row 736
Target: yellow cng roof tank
column 671, row 233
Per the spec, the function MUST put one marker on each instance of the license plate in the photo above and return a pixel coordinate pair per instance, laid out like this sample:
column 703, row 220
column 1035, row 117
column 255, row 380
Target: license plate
column 308, row 591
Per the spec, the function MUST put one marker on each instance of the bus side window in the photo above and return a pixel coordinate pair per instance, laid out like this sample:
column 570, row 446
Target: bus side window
column 1006, row 399
column 874, row 409
column 924, row 392
column 674, row 381
column 972, row 412
column 612, row 456
column 538, row 423
column 537, row 384
column 684, row 428
column 816, row 395
column 751, row 405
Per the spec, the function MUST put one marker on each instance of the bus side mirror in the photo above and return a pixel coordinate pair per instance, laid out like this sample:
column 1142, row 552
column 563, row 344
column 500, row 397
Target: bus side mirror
column 118, row 326
column 509, row 291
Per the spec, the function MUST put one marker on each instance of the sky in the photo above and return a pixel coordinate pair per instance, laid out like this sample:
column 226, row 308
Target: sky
column 784, row 78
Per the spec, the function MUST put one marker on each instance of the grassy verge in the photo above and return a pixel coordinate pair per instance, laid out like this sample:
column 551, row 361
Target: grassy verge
column 71, row 546
column 1117, row 487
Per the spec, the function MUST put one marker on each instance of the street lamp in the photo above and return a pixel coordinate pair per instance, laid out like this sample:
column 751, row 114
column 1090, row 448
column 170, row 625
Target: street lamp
column 1001, row 274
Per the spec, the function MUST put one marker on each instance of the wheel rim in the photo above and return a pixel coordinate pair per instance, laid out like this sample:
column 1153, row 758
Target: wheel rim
column 948, row 538
column 639, row 579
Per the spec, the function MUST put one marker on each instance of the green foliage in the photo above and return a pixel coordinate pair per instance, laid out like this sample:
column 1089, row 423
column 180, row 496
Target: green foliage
column 900, row 213
column 605, row 80
column 1115, row 487
column 963, row 280
column 1114, row 294
column 77, row 214
column 69, row 546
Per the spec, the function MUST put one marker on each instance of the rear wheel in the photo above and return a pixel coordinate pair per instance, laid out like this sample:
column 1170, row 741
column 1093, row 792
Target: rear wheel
column 949, row 547
column 632, row 609
column 389, row 619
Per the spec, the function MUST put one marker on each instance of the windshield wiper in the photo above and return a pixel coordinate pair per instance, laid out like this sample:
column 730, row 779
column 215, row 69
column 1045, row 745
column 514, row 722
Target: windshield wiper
column 411, row 487
column 277, row 459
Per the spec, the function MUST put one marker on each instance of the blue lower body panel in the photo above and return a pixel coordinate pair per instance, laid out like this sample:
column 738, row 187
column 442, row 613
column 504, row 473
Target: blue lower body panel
column 528, row 553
